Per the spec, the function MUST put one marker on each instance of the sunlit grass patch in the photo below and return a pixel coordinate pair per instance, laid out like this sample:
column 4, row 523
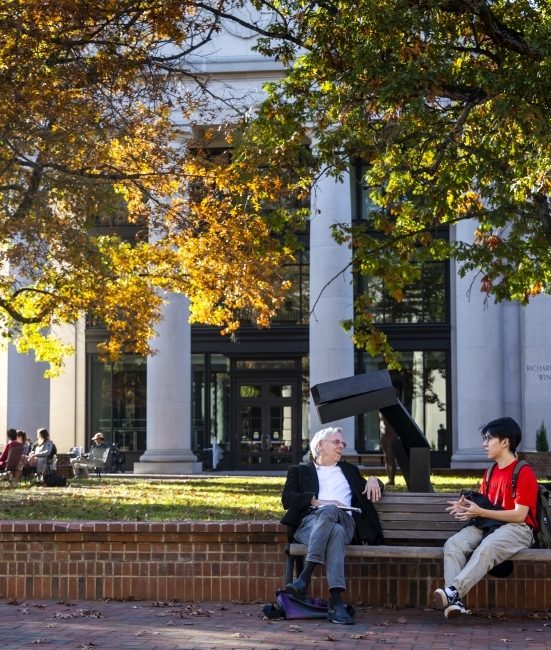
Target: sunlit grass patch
column 197, row 499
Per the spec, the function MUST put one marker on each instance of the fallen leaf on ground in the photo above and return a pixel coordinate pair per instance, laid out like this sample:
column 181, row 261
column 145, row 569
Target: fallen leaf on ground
column 383, row 623
column 390, row 606
column 401, row 620
column 239, row 635
column 448, row 634
column 195, row 610
column 38, row 641
column 295, row 628
column 362, row 636
column 141, row 632
column 62, row 615
column 190, row 623
column 330, row 637
column 506, row 640
column 221, row 608
column 67, row 603
column 170, row 622
column 87, row 646
column 428, row 609
column 39, row 606
column 24, row 611
column 522, row 629
column 538, row 629
column 528, row 638
column 14, row 601
column 89, row 612
column 51, row 625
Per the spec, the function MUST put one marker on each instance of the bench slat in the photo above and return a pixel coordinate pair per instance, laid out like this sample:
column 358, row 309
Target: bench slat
column 395, row 507
column 451, row 526
column 406, row 516
column 420, row 552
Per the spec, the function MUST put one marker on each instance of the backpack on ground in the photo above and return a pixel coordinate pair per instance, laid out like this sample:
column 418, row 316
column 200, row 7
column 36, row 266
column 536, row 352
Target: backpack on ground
column 542, row 535
column 287, row 607
column 54, row 480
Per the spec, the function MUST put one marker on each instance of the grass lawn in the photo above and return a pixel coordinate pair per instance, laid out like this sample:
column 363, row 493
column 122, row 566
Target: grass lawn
column 224, row 498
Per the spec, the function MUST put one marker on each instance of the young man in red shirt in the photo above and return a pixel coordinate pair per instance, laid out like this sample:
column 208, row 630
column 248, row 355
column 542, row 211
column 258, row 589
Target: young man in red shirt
column 516, row 520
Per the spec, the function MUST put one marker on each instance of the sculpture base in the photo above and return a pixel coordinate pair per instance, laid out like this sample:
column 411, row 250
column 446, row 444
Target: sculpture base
column 178, row 467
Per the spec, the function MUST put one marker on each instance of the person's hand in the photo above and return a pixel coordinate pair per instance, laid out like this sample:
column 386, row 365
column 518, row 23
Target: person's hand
column 467, row 510
column 454, row 506
column 372, row 489
column 319, row 503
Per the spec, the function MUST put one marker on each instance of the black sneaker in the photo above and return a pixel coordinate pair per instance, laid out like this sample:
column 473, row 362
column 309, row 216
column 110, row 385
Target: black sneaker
column 448, row 599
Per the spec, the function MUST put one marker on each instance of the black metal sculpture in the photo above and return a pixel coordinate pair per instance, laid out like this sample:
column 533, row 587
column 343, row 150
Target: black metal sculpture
column 372, row 391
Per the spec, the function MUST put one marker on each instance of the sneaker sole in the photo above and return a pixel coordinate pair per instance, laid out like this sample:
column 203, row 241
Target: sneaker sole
column 455, row 611
column 440, row 599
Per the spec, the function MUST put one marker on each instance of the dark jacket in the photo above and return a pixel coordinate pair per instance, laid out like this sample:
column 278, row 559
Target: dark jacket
column 302, row 486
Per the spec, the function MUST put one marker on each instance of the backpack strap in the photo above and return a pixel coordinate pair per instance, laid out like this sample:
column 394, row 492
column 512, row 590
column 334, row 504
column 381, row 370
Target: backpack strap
column 488, row 476
column 518, row 467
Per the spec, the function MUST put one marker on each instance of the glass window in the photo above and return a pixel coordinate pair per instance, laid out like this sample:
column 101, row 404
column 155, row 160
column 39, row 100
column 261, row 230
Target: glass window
column 265, row 364
column 421, row 386
column 198, row 442
column 281, row 391
column 220, row 400
column 296, row 305
column 118, row 400
column 250, row 391
column 424, row 299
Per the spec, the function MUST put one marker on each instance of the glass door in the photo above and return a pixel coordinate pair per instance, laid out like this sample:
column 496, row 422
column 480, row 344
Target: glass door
column 265, row 425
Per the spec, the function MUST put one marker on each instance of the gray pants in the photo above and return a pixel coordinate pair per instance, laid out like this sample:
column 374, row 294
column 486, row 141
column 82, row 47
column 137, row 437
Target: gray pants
column 500, row 545
column 327, row 531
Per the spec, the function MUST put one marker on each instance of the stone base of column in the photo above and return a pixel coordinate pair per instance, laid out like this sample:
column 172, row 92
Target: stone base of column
column 469, row 459
column 167, row 461
column 181, row 467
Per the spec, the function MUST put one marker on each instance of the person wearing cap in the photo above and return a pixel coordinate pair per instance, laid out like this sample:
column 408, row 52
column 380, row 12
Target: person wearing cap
column 316, row 497
column 80, row 464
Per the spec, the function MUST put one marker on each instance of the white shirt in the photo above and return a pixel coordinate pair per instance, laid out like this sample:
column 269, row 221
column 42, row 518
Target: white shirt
column 333, row 485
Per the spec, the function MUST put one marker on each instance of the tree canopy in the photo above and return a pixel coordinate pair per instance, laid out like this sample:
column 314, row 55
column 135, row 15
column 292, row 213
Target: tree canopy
column 449, row 104
column 99, row 102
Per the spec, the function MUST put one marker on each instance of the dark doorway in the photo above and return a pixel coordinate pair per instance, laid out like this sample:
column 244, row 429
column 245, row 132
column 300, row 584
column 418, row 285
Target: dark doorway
column 266, row 423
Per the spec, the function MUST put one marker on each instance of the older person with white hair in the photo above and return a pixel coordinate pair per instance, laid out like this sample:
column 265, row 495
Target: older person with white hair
column 318, row 497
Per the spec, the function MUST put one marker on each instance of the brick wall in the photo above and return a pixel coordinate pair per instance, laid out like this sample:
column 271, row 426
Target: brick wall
column 539, row 461
column 216, row 561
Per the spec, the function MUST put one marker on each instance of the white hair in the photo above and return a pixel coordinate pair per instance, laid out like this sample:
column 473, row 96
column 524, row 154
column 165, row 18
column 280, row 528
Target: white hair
column 320, row 436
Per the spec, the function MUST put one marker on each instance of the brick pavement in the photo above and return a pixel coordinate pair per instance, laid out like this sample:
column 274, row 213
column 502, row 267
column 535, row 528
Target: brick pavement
column 142, row 625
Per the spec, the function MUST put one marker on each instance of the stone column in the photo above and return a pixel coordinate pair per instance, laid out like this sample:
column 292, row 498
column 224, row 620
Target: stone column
column 68, row 392
column 24, row 393
column 331, row 349
column 169, row 396
column 477, row 334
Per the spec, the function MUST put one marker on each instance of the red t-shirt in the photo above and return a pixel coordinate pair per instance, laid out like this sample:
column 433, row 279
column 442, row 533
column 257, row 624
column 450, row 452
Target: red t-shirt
column 501, row 491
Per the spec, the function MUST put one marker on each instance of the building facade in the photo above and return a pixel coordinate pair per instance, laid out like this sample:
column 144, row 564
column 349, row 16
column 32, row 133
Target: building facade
column 207, row 402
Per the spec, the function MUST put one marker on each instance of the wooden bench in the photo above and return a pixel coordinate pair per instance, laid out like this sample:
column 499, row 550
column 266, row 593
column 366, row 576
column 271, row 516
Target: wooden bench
column 415, row 526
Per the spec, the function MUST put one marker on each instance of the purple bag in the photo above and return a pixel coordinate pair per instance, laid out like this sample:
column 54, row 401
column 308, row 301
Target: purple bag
column 290, row 608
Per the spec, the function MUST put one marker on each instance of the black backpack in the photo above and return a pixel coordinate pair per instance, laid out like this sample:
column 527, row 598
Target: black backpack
column 542, row 535
column 54, row 480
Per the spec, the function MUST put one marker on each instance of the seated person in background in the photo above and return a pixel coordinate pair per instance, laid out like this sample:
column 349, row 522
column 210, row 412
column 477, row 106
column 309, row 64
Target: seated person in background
column 326, row 484
column 42, row 451
column 22, row 438
column 12, row 438
column 515, row 522
column 80, row 464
